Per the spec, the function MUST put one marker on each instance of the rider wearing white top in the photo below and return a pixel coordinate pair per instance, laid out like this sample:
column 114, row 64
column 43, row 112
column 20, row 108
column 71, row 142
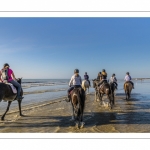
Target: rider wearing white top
column 113, row 79
column 75, row 81
column 128, row 79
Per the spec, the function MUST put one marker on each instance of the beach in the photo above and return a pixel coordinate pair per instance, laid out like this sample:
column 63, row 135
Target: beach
column 54, row 116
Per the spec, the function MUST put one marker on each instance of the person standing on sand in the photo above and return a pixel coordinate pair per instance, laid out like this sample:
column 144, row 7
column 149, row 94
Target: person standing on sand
column 128, row 79
column 75, row 81
column 10, row 77
column 86, row 77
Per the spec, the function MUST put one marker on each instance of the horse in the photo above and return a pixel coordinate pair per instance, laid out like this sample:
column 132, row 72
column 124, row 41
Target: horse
column 7, row 94
column 85, row 85
column 78, row 102
column 105, row 88
column 128, row 88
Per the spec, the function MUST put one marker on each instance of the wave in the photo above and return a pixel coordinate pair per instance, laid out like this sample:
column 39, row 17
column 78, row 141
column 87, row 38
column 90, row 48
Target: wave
column 43, row 91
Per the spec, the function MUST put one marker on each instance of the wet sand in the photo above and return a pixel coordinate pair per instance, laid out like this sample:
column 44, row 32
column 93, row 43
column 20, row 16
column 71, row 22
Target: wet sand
column 54, row 117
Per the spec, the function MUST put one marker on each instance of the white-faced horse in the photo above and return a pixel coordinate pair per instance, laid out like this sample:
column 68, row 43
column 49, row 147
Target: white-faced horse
column 85, row 85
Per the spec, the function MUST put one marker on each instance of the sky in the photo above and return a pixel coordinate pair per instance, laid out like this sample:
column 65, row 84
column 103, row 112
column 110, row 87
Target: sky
column 51, row 48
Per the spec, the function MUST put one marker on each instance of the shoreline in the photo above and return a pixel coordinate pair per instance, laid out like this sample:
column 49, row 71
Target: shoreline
column 54, row 116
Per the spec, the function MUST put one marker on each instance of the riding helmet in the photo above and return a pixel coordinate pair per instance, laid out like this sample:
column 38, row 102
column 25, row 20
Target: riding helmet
column 103, row 70
column 6, row 64
column 76, row 71
column 85, row 72
column 113, row 75
column 127, row 73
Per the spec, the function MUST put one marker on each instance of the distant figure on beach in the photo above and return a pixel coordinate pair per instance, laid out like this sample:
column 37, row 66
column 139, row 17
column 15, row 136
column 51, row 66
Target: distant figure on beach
column 75, row 81
column 99, row 76
column 103, row 77
column 86, row 77
column 7, row 75
column 113, row 79
column 128, row 79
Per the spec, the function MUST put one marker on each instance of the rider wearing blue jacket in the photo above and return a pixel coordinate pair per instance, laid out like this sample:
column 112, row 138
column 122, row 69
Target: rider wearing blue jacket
column 86, row 77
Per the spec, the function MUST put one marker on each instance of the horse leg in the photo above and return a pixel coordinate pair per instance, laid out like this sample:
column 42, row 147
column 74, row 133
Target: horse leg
column 95, row 96
column 73, row 116
column 19, row 104
column 3, row 116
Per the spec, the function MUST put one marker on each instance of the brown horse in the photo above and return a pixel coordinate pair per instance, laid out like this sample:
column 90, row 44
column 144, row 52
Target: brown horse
column 78, row 102
column 7, row 94
column 107, row 89
column 128, row 88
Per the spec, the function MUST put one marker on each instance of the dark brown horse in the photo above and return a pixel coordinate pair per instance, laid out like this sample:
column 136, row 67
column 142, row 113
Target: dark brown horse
column 128, row 88
column 107, row 89
column 7, row 94
column 78, row 102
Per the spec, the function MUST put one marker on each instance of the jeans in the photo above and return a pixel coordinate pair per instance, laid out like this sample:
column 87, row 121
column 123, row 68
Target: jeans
column 16, row 84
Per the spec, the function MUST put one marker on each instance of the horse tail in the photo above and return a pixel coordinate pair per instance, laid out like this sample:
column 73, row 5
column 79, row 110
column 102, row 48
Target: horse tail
column 81, row 99
column 108, row 91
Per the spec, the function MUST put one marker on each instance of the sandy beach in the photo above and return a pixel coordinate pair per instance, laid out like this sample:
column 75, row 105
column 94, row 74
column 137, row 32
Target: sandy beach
column 54, row 117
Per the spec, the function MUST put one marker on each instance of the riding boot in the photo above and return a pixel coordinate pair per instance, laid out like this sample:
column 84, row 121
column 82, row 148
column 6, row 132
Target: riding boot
column 19, row 98
column 68, row 98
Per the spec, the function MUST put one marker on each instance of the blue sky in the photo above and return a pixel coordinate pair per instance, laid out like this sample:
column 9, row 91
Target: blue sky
column 53, row 47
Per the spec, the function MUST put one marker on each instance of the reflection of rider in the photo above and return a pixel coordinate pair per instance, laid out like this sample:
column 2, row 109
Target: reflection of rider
column 128, row 79
column 113, row 79
column 103, row 77
column 86, row 77
column 12, row 79
column 75, row 81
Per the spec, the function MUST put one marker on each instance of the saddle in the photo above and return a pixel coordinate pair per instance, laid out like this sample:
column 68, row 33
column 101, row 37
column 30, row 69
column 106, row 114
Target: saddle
column 79, row 88
column 13, row 88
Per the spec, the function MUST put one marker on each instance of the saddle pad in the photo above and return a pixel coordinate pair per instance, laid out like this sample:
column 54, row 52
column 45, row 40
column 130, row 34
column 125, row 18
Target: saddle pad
column 12, row 87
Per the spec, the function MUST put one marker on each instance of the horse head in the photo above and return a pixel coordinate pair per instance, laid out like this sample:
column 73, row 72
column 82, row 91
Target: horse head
column 95, row 82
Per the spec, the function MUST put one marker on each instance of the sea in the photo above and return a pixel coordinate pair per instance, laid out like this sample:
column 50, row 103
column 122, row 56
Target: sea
column 37, row 91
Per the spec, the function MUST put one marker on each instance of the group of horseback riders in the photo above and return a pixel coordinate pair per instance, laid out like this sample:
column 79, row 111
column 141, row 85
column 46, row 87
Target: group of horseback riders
column 7, row 76
column 76, row 80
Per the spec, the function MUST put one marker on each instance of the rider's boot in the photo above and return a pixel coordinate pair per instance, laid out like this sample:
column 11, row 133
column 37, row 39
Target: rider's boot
column 68, row 98
column 19, row 98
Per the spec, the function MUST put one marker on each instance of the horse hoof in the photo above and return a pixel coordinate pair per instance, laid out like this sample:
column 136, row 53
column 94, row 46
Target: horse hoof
column 82, row 125
column 77, row 125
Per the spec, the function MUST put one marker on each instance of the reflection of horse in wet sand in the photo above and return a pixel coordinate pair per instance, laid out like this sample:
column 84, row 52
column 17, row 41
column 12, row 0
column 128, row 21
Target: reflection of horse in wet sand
column 105, row 88
column 7, row 94
column 128, row 88
column 78, row 101
column 85, row 85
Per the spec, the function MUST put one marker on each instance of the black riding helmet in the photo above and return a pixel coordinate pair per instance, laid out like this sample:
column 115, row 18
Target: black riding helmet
column 6, row 64
column 127, row 73
column 85, row 72
column 76, row 71
column 113, row 74
column 103, row 70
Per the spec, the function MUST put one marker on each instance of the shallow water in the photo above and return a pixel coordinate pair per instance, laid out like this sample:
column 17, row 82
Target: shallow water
column 40, row 90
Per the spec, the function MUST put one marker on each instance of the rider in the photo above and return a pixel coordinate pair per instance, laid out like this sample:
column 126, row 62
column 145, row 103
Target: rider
column 75, row 81
column 99, row 76
column 128, row 79
column 11, row 79
column 86, row 77
column 103, row 77
column 113, row 79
